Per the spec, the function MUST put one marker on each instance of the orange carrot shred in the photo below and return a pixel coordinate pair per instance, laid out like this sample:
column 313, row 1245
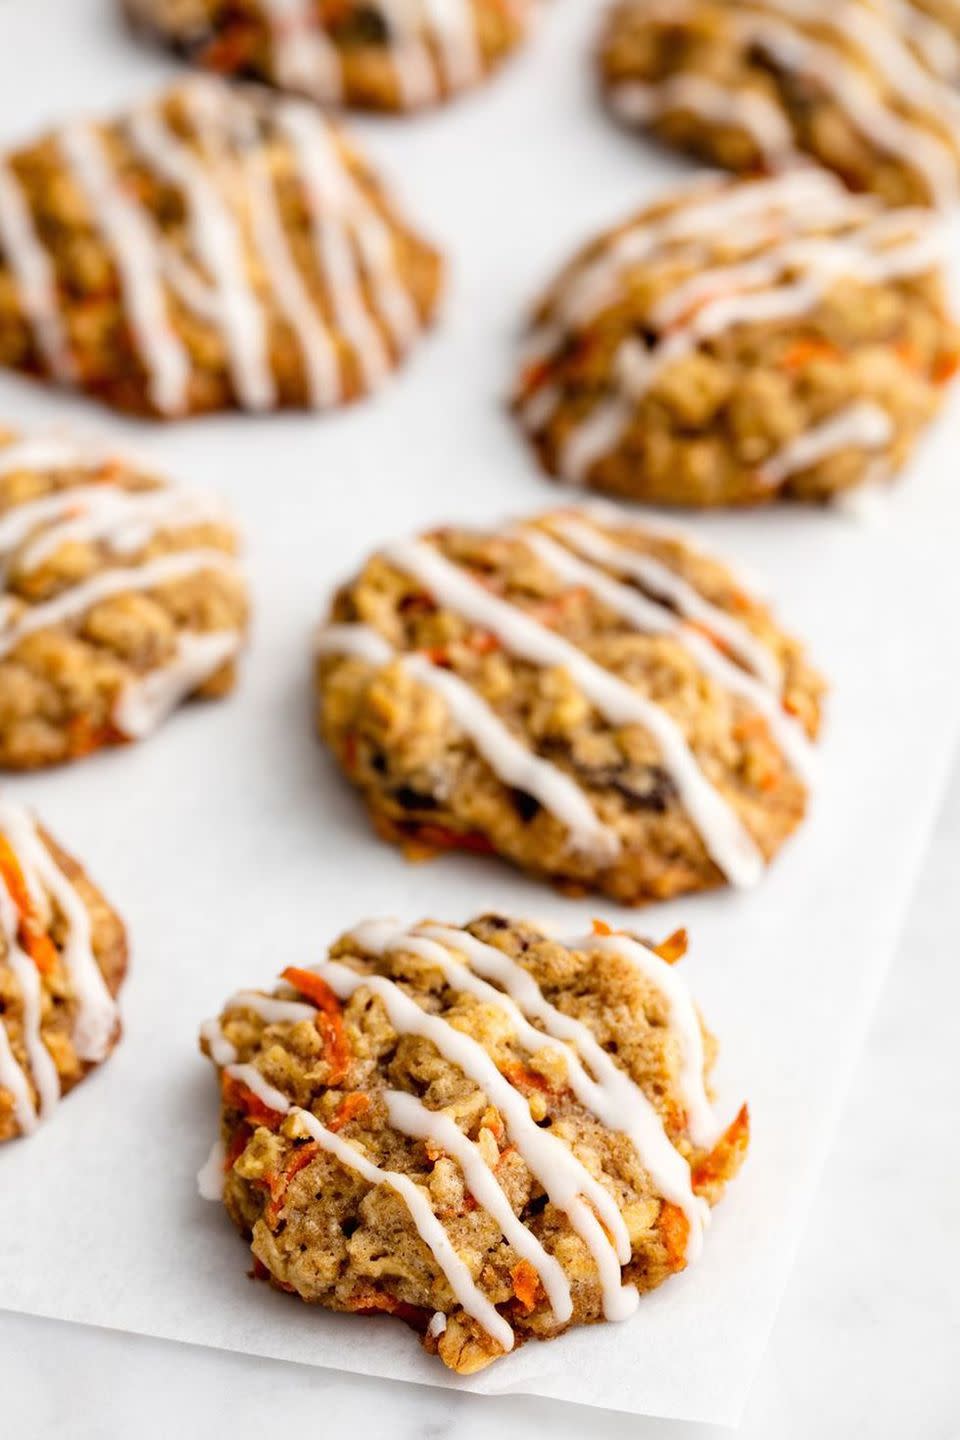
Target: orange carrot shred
column 279, row 1182
column 600, row 927
column 673, row 948
column 238, row 1096
column 30, row 932
column 526, row 1283
column 524, row 1079
column 726, row 1155
column 238, row 1143
column 349, row 1108
column 329, row 1019
column 803, row 352
column 674, row 1231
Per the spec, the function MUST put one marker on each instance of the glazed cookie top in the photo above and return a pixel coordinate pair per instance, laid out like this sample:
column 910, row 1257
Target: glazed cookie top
column 383, row 54
column 604, row 668
column 213, row 247
column 120, row 595
column 864, row 85
column 535, row 1104
column 62, row 958
column 729, row 285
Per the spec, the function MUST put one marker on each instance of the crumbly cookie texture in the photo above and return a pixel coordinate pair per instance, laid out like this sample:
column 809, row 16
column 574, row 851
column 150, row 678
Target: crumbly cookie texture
column 489, row 1133
column 740, row 342
column 120, row 597
column 216, row 247
column 865, row 87
column 372, row 54
column 63, row 956
column 589, row 697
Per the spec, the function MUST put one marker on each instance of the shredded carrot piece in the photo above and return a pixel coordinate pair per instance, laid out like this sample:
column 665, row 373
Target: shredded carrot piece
column 238, row 1096
column 83, row 738
column 440, row 838
column 350, row 748
column 726, row 1155
column 523, row 1078
column 945, row 366
column 673, row 948
column 803, row 352
column 600, row 927
column 375, row 1302
column 674, row 1231
column 349, row 1108
column 329, row 1019
column 483, row 643
column 526, row 1283
column 279, row 1182
column 30, row 932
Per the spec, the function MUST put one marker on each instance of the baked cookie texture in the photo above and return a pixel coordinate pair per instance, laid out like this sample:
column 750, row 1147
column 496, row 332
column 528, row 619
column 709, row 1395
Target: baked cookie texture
column 63, row 956
column 741, row 341
column 394, row 55
column 489, row 1133
column 120, row 596
column 213, row 248
column 590, row 697
column 865, row 87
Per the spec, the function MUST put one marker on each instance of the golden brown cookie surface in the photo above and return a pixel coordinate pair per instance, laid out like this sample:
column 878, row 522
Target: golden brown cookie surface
column 120, row 597
column 587, row 696
column 865, row 87
column 741, row 341
column 487, row 1132
column 213, row 248
column 63, row 956
column 373, row 54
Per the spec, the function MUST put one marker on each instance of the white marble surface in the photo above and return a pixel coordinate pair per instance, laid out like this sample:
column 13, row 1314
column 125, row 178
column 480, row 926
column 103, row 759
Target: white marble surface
column 866, row 1343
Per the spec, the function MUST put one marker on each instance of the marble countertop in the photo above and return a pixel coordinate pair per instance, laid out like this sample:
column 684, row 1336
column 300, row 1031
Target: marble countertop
column 866, row 1342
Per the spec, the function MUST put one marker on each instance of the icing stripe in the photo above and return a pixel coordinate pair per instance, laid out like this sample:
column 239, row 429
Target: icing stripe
column 411, row 1117
column 96, row 1020
column 566, row 1181
column 222, row 1053
column 143, row 704
column 725, row 837
column 35, row 277
column 128, row 235
column 43, row 1071
column 861, row 426
column 646, row 616
column 748, row 110
column 304, row 58
column 508, row 757
column 271, row 1010
column 165, row 570
column 215, row 238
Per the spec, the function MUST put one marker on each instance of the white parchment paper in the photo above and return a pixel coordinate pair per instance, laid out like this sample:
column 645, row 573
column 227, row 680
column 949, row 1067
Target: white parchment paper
column 233, row 849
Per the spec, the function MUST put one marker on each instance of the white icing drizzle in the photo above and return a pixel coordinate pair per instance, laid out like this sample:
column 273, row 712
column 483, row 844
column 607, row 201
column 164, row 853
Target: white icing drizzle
column 668, row 585
column 724, row 835
column 608, row 1091
column 43, row 1071
column 96, row 1019
column 411, row 1117
column 143, row 704
column 705, row 1129
column 271, row 1010
column 438, row 1325
column 266, row 1093
column 214, row 235
column 76, row 601
column 15, row 1082
column 334, row 199
column 222, row 1052
column 130, row 238
column 863, row 425
column 53, row 452
column 646, row 615
column 304, row 58
column 431, row 1231
column 34, row 274
column 508, row 758
column 567, row 1182
column 210, row 1176
column 748, row 110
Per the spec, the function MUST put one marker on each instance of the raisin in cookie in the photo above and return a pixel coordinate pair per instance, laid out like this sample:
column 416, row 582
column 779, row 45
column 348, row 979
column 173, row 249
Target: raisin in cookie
column 490, row 1133
column 214, row 247
column 63, row 955
column 741, row 341
column 752, row 84
column 120, row 596
column 591, row 698
column 373, row 54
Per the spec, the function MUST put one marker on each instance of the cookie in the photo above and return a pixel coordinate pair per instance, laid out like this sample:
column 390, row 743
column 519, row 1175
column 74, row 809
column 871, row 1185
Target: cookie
column 373, row 54
column 591, row 698
column 741, row 341
column 213, row 248
column 490, row 1133
column 753, row 84
column 120, row 597
column 63, row 955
